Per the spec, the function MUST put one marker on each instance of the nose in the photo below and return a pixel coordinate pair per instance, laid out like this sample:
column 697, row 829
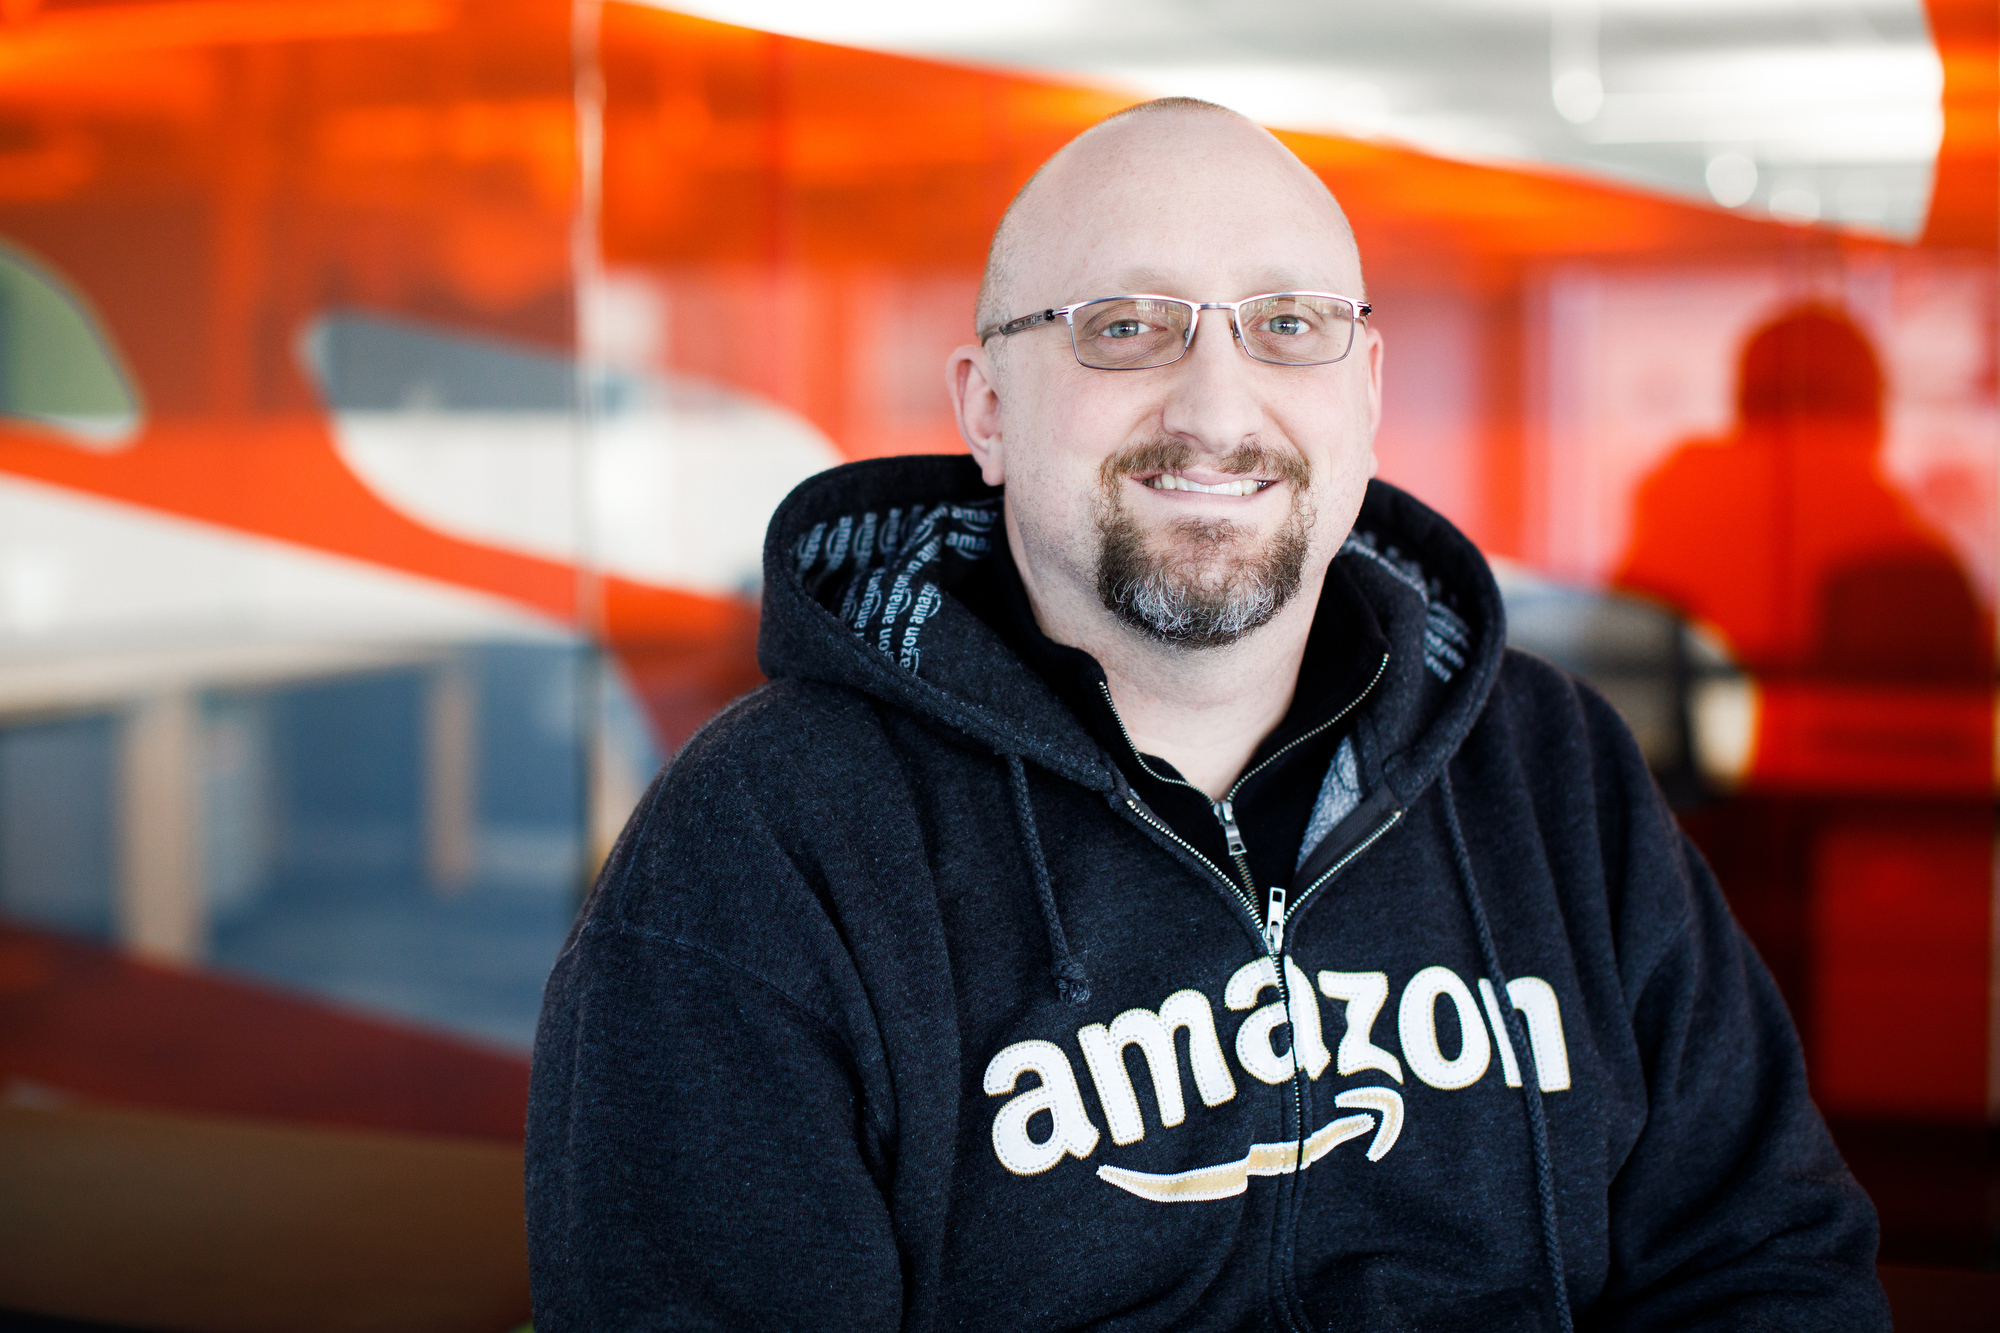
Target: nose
column 1211, row 399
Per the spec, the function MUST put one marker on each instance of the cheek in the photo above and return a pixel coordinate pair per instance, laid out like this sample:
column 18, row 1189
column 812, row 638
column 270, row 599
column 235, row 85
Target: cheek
column 1352, row 464
column 1052, row 498
column 1061, row 437
column 1343, row 460
column 1338, row 436
column 1071, row 409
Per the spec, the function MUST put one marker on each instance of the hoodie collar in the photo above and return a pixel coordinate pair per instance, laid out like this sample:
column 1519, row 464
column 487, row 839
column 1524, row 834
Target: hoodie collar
column 859, row 562
column 856, row 563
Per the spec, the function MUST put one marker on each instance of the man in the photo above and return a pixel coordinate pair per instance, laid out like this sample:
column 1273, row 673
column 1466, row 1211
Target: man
column 1150, row 895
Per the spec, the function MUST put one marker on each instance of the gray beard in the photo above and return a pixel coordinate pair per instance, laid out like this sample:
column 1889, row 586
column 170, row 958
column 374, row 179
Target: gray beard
column 1197, row 593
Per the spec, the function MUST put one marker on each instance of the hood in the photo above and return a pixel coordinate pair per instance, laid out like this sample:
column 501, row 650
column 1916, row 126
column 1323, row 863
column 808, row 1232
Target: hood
column 860, row 562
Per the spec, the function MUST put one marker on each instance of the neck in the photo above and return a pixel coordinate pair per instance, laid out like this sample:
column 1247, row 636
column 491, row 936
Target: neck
column 1203, row 710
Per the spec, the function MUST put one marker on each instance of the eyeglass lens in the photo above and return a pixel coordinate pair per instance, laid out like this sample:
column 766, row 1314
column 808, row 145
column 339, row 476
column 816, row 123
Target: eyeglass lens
column 1125, row 333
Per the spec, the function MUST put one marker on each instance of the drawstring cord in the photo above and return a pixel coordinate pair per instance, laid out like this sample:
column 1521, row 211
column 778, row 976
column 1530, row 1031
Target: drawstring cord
column 1072, row 982
column 1517, row 1028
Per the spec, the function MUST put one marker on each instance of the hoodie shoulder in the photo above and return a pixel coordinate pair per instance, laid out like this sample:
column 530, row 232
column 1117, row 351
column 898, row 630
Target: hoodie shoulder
column 778, row 718
column 785, row 743
column 1549, row 712
column 1589, row 787
column 1572, row 745
column 743, row 784
column 735, row 850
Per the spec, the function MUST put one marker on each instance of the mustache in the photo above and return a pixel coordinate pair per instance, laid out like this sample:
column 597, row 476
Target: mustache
column 1251, row 458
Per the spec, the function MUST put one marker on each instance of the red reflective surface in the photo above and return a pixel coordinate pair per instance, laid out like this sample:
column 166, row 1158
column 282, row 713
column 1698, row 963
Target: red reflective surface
column 1789, row 436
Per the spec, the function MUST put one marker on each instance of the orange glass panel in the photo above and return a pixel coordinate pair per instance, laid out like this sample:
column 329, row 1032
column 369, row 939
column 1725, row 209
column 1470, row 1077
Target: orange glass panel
column 1787, row 435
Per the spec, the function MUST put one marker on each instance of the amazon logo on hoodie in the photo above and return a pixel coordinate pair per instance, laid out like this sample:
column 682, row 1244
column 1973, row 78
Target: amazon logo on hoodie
column 1039, row 1126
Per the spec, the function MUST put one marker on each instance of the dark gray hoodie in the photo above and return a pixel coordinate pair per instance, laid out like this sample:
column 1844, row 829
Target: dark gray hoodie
column 896, row 1008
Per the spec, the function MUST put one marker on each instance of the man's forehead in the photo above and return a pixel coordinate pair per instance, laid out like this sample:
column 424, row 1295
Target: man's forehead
column 1217, row 281
column 1157, row 175
column 1202, row 205
column 1224, row 262
column 1205, row 206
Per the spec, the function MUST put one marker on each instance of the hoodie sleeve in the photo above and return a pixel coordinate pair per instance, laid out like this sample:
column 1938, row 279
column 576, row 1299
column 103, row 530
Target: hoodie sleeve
column 701, row 1150
column 1733, row 1209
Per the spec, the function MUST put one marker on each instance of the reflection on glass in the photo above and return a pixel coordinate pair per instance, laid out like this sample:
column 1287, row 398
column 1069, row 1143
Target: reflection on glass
column 337, row 637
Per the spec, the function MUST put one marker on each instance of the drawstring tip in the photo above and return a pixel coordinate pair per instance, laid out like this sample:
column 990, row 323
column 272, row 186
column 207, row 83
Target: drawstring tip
column 1072, row 983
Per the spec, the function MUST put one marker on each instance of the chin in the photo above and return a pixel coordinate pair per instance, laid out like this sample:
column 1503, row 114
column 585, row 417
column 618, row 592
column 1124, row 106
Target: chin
column 1208, row 542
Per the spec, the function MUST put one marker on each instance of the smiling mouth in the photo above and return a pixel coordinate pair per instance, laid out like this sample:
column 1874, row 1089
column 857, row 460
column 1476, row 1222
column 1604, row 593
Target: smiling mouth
column 1173, row 481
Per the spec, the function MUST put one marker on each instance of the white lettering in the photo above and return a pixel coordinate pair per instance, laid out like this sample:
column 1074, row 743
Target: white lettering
column 1073, row 1133
column 1153, row 1034
column 1510, row 1069
column 1416, row 1027
column 1255, row 1049
column 1536, row 1000
column 1365, row 994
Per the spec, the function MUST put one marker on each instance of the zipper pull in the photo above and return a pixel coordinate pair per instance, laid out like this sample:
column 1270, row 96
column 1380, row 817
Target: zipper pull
column 1274, row 921
column 1226, row 812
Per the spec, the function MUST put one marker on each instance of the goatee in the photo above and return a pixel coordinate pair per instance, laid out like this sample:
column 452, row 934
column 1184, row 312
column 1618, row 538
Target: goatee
column 1200, row 582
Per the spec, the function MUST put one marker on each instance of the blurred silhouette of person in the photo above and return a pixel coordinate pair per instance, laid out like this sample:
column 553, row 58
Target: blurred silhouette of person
column 1785, row 536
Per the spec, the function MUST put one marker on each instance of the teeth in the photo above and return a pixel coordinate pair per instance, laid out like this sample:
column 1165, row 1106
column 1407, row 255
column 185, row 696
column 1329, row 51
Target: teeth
column 1169, row 481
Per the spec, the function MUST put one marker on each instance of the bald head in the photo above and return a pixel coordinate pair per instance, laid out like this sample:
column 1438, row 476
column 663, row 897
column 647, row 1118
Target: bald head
column 1122, row 199
column 1196, row 502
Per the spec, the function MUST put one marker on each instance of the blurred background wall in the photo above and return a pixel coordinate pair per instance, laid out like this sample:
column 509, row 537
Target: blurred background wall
column 393, row 393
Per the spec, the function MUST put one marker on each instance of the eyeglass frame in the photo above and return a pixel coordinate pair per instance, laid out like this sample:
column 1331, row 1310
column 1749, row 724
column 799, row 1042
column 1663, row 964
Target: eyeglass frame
column 1022, row 323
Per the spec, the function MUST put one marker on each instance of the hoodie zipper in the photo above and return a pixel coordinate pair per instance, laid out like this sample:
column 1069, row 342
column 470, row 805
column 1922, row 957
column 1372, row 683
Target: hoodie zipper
column 1140, row 809
column 1277, row 905
column 1271, row 918
column 1395, row 817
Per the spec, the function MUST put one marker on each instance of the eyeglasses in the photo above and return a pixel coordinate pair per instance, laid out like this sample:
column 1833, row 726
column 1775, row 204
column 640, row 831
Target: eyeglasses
column 1142, row 332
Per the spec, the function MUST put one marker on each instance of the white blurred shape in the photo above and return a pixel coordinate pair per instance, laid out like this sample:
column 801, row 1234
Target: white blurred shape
column 1861, row 198
column 136, row 574
column 31, row 588
column 1795, row 203
column 1578, row 95
column 624, row 321
column 1363, row 103
column 680, row 491
column 147, row 602
column 1850, row 86
column 678, row 476
column 1576, row 85
column 1722, row 714
column 1810, row 102
column 1732, row 179
column 889, row 22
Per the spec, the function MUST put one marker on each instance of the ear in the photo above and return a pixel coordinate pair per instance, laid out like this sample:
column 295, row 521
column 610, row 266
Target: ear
column 1371, row 353
column 975, row 401
column 1372, row 350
